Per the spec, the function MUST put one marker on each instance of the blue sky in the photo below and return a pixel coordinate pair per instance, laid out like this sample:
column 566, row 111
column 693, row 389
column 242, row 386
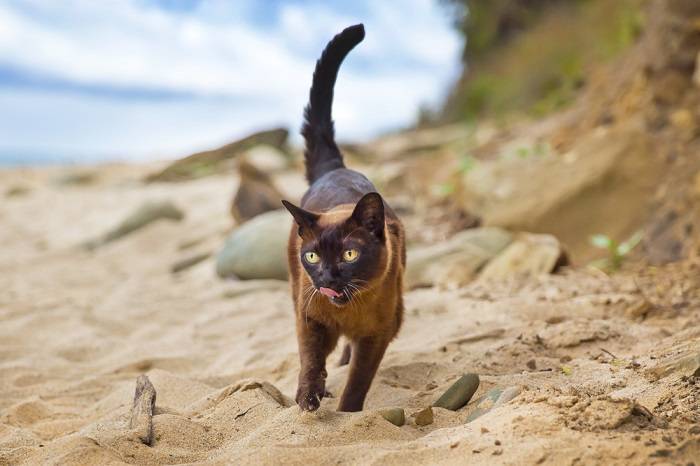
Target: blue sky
column 85, row 80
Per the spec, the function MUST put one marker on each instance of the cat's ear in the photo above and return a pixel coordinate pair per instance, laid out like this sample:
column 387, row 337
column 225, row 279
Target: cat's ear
column 305, row 220
column 369, row 213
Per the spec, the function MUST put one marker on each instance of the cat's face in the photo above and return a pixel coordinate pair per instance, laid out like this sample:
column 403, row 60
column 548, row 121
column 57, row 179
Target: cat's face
column 343, row 256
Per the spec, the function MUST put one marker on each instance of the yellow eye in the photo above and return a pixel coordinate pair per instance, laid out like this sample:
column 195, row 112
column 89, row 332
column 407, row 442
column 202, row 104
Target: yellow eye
column 311, row 257
column 350, row 255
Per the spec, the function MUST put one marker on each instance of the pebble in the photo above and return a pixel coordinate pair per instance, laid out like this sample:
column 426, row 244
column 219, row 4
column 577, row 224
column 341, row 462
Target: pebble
column 394, row 415
column 459, row 393
column 424, row 417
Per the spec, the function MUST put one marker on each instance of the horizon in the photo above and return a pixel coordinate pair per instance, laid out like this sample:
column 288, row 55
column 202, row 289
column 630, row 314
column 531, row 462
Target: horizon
column 84, row 82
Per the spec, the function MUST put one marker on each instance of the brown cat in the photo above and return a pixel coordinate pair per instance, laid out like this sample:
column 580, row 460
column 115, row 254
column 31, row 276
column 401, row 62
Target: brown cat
column 346, row 253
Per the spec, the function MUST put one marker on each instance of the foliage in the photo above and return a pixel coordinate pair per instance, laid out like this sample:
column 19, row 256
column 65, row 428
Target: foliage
column 532, row 56
column 616, row 251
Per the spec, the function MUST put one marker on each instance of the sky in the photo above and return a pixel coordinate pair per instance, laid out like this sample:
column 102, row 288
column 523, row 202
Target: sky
column 86, row 80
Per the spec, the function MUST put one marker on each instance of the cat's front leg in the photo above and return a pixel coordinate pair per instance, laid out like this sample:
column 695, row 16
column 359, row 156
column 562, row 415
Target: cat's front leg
column 367, row 353
column 316, row 341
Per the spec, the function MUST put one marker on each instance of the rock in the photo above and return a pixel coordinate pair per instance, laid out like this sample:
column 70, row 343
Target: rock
column 266, row 158
column 424, row 417
column 457, row 259
column 683, row 364
column 696, row 184
column 528, row 255
column 394, row 415
column 78, row 178
column 144, row 215
column 142, row 410
column 492, row 399
column 17, row 191
column 413, row 142
column 557, row 193
column 188, row 262
column 459, row 393
column 212, row 161
column 256, row 194
column 257, row 249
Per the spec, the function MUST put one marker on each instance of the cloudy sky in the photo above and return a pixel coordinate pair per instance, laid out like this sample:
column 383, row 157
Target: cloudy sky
column 84, row 80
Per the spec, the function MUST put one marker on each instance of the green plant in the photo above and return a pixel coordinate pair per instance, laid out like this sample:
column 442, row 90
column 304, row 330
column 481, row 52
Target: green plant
column 616, row 251
column 467, row 163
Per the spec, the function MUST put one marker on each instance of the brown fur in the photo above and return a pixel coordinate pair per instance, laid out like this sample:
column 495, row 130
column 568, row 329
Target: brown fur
column 370, row 321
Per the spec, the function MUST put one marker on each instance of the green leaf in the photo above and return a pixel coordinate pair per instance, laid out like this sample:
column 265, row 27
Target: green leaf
column 567, row 370
column 624, row 248
column 601, row 241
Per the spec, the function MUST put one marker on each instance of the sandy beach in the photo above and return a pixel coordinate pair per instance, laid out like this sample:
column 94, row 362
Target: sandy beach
column 600, row 363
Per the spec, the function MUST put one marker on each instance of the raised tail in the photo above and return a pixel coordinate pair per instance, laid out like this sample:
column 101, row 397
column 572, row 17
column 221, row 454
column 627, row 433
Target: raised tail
column 322, row 154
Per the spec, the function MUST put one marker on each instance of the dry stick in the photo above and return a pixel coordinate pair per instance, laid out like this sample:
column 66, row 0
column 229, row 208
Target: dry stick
column 609, row 353
column 142, row 409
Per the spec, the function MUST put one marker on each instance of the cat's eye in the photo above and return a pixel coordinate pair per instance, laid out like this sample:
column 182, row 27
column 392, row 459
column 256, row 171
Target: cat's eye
column 311, row 257
column 350, row 255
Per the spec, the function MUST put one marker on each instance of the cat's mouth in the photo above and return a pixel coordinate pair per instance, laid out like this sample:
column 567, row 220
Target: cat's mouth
column 339, row 299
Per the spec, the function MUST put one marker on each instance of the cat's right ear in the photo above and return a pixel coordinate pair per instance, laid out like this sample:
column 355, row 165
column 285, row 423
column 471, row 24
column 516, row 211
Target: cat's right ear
column 305, row 220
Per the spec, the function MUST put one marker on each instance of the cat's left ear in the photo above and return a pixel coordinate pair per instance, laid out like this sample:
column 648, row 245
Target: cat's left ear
column 369, row 213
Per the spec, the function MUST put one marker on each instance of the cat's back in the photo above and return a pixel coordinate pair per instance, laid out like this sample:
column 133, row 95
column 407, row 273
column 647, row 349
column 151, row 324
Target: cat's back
column 337, row 187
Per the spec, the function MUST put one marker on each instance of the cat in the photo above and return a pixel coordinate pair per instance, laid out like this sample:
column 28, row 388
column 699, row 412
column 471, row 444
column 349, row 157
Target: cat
column 346, row 253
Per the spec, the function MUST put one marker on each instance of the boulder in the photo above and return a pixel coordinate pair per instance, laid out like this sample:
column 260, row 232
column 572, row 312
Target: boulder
column 266, row 158
column 457, row 260
column 569, row 195
column 528, row 255
column 212, row 161
column 257, row 249
column 256, row 193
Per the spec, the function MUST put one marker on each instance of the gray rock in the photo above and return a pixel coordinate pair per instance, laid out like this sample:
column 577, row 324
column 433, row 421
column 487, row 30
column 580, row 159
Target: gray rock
column 457, row 260
column 144, row 215
column 459, row 393
column 257, row 249
column 394, row 415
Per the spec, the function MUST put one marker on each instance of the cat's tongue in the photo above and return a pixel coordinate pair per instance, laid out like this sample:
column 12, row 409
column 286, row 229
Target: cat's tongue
column 329, row 292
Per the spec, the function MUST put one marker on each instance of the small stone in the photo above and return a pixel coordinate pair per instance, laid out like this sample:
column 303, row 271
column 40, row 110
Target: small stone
column 459, row 393
column 394, row 415
column 531, row 364
column 424, row 417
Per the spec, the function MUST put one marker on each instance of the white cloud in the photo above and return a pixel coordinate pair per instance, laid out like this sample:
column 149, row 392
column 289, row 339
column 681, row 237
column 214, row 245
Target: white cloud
column 243, row 75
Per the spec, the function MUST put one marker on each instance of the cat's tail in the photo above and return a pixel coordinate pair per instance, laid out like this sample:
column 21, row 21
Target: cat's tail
column 322, row 154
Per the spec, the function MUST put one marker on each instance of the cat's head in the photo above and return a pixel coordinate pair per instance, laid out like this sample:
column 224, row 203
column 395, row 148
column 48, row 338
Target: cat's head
column 343, row 255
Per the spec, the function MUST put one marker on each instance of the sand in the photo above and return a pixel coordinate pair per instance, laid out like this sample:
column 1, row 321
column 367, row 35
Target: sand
column 599, row 360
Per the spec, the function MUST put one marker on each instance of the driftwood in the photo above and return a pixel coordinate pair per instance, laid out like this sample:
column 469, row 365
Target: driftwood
column 142, row 409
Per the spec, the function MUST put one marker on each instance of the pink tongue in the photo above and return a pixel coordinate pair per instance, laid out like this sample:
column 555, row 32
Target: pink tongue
column 329, row 292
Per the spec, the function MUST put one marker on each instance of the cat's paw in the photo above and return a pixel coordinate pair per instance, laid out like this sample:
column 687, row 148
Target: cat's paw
column 309, row 401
